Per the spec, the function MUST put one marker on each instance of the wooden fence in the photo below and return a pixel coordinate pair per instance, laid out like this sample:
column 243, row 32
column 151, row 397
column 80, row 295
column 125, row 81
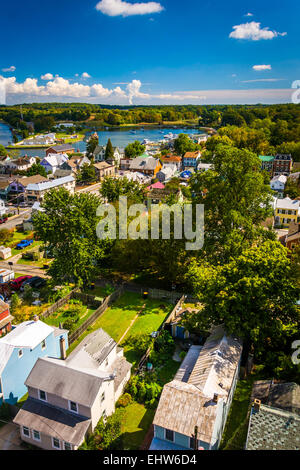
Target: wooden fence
column 160, row 329
column 59, row 303
column 100, row 311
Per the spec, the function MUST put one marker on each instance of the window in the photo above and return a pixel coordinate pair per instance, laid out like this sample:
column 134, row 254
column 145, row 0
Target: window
column 43, row 344
column 73, row 406
column 67, row 446
column 102, row 397
column 106, row 362
column 42, row 395
column 20, row 353
column 26, row 431
column 55, row 443
column 169, row 435
column 36, row 435
column 104, row 414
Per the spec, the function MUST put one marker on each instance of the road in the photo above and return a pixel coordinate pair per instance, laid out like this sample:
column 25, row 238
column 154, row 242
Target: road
column 16, row 219
column 25, row 269
column 93, row 189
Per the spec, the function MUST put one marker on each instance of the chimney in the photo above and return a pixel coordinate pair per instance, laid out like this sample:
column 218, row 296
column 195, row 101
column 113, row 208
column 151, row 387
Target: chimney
column 215, row 398
column 62, row 343
column 35, row 318
column 256, row 404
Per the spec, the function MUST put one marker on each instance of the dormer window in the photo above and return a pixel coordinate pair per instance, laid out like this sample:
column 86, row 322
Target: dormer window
column 43, row 344
column 73, row 406
column 20, row 353
column 42, row 395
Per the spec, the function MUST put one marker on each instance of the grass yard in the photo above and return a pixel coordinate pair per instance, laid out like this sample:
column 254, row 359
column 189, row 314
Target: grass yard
column 73, row 312
column 135, row 424
column 119, row 316
column 98, row 291
column 235, row 433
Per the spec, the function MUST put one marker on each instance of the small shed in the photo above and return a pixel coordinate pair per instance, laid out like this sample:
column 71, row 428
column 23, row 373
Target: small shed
column 6, row 275
column 5, row 252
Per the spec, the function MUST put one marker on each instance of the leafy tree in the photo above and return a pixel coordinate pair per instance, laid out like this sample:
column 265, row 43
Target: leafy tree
column 15, row 303
column 184, row 144
column 91, row 146
column 68, row 228
column 135, row 149
column 36, row 169
column 253, row 295
column 236, row 200
column 86, row 174
column 6, row 236
column 109, row 151
column 112, row 188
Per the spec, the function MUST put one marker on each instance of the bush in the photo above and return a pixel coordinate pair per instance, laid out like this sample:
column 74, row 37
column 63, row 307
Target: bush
column 15, row 302
column 144, row 389
column 27, row 296
column 124, row 400
column 182, row 355
column 6, row 236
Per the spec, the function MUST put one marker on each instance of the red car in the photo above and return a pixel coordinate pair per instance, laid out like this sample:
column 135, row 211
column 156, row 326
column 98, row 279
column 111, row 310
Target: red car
column 3, row 219
column 16, row 283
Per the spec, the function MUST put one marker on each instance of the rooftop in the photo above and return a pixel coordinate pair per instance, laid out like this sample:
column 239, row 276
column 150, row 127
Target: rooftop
column 273, row 429
column 50, row 184
column 266, row 158
column 27, row 334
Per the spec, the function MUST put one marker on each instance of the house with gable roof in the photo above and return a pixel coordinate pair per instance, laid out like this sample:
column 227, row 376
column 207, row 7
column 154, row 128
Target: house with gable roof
column 20, row 349
column 193, row 408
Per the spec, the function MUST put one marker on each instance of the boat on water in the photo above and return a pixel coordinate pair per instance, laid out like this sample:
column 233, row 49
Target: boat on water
column 169, row 136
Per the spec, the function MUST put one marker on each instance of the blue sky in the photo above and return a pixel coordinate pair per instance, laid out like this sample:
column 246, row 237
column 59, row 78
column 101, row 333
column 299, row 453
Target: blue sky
column 141, row 52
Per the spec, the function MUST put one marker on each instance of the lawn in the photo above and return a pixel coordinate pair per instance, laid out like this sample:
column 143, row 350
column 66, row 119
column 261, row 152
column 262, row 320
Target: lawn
column 119, row 316
column 73, row 311
column 135, row 424
column 235, row 433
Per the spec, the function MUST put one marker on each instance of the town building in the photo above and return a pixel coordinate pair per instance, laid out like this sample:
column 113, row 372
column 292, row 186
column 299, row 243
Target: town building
column 36, row 192
column 19, row 351
column 103, row 169
column 286, row 211
column 53, row 161
column 166, row 173
column 282, row 165
column 278, row 183
column 266, row 162
column 75, row 164
column 63, row 148
column 172, row 160
column 193, row 408
column 67, row 398
column 99, row 154
column 191, row 160
column 5, row 318
column 147, row 165
column 3, row 208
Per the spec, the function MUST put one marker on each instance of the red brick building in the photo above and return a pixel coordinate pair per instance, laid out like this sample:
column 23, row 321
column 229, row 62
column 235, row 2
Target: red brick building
column 282, row 165
column 5, row 318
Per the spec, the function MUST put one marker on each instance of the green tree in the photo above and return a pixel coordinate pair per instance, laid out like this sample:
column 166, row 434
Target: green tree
column 184, row 144
column 135, row 149
column 68, row 229
column 91, row 146
column 109, row 151
column 36, row 169
column 253, row 295
column 112, row 188
column 86, row 174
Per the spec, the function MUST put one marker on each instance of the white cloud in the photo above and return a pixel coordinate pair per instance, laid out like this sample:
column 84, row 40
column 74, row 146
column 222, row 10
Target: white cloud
column 85, row 75
column 253, row 31
column 47, row 76
column 121, row 8
column 12, row 68
column 264, row 80
column 133, row 89
column 249, row 14
column 258, row 68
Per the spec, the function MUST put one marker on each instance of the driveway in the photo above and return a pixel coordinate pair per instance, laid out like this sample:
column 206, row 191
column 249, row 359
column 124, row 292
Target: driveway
column 10, row 437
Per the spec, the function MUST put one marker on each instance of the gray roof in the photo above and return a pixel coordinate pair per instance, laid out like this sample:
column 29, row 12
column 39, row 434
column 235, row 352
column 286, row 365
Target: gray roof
column 53, row 421
column 186, row 402
column 283, row 395
column 50, row 184
column 93, row 350
column 273, row 429
column 56, row 377
column 140, row 163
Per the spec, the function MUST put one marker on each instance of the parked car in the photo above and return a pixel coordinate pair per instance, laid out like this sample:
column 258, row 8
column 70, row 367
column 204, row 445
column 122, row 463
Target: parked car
column 16, row 283
column 35, row 282
column 3, row 219
column 23, row 244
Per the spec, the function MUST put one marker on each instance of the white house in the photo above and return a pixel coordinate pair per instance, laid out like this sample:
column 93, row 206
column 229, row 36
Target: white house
column 2, row 208
column 67, row 397
column 99, row 154
column 36, row 192
column 53, row 161
column 166, row 173
column 278, row 184
column 41, row 139
column 193, row 408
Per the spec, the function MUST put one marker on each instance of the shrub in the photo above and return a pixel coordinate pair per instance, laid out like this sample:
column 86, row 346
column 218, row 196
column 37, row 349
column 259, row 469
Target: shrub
column 27, row 296
column 15, row 302
column 182, row 355
column 124, row 400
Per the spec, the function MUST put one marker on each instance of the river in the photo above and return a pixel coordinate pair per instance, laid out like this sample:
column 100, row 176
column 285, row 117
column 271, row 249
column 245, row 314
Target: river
column 118, row 137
